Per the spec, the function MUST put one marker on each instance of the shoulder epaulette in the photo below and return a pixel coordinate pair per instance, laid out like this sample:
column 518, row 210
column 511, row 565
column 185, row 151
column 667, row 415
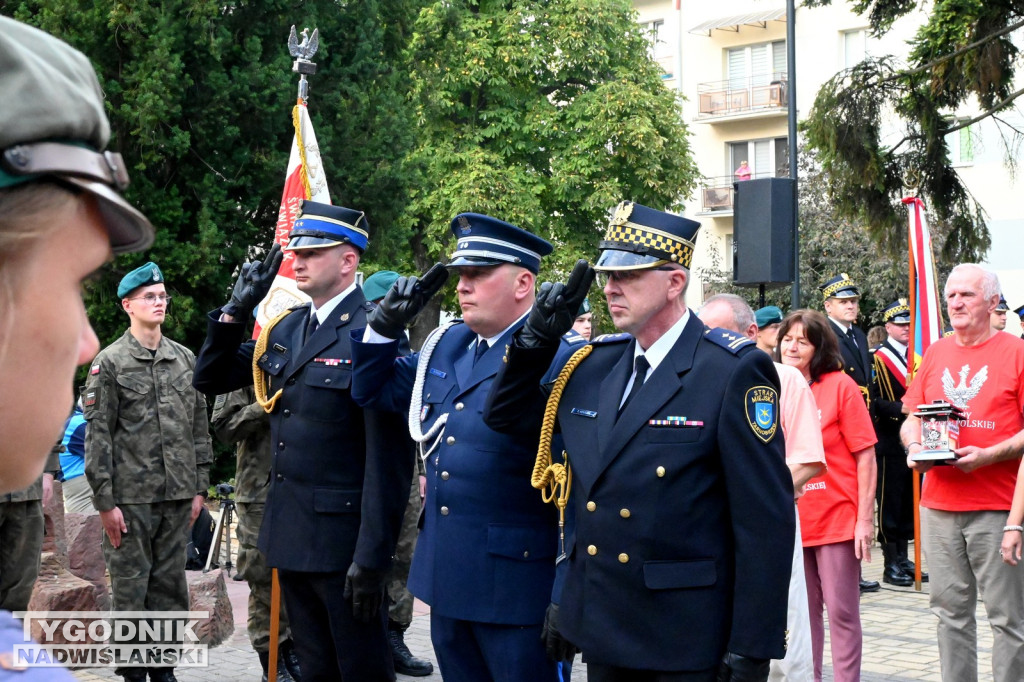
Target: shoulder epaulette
column 729, row 340
column 572, row 337
column 621, row 337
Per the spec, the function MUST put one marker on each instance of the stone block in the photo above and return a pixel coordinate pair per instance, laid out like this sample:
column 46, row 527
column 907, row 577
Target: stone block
column 85, row 551
column 208, row 592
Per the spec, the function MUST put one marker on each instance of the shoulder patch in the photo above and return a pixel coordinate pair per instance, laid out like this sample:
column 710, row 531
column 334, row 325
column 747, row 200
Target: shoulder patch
column 762, row 407
column 621, row 337
column 220, row 400
column 729, row 340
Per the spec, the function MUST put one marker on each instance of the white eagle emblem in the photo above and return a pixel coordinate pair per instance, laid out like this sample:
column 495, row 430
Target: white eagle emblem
column 963, row 393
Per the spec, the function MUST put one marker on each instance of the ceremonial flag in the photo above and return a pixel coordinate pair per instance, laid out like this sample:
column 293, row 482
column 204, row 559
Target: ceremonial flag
column 305, row 179
column 925, row 311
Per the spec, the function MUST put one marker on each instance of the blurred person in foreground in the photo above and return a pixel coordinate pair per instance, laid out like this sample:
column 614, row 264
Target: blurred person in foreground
column 964, row 506
column 57, row 188
column 836, row 512
column 805, row 457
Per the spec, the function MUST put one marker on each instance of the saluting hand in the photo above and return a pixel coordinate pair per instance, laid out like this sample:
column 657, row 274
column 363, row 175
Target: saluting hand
column 405, row 300
column 556, row 306
column 253, row 284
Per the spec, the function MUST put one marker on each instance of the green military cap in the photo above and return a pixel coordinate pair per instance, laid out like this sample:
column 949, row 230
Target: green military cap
column 52, row 126
column 377, row 284
column 584, row 308
column 141, row 276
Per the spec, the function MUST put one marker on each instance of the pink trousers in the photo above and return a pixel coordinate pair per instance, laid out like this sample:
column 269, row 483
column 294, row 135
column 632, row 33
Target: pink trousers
column 833, row 574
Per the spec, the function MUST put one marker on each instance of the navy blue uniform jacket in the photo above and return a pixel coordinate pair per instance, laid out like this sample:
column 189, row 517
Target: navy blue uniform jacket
column 684, row 519
column 486, row 551
column 339, row 477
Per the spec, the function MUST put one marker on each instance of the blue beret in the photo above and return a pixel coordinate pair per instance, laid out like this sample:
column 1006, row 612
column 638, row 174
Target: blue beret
column 140, row 277
column 319, row 226
column 377, row 284
column 840, row 286
column 767, row 315
column 897, row 312
column 640, row 237
column 483, row 240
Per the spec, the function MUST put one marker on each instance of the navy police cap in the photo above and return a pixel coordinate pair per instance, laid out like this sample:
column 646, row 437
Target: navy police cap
column 483, row 240
column 840, row 286
column 897, row 312
column 1019, row 311
column 1002, row 306
column 142, row 276
column 319, row 226
column 639, row 237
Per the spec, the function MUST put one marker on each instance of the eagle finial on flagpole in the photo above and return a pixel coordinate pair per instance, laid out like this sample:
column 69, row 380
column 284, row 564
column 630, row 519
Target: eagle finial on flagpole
column 303, row 53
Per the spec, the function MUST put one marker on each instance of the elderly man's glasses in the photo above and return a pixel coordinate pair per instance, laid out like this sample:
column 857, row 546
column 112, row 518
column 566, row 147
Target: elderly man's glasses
column 153, row 299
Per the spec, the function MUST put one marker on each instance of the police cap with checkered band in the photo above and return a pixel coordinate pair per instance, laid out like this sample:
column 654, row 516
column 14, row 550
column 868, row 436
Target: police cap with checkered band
column 639, row 237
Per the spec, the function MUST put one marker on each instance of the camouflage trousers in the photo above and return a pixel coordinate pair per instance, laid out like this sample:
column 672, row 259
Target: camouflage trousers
column 400, row 610
column 21, row 539
column 147, row 572
column 252, row 566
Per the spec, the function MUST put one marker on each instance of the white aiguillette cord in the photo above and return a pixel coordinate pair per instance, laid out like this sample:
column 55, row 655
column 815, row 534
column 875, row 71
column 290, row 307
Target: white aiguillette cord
column 416, row 404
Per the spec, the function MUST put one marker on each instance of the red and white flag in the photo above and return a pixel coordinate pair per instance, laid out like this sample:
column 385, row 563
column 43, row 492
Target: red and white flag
column 925, row 311
column 305, row 179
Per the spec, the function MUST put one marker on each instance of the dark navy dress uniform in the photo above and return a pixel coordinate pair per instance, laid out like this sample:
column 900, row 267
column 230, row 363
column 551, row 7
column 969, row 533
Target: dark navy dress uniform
column 684, row 521
column 485, row 557
column 339, row 480
column 853, row 344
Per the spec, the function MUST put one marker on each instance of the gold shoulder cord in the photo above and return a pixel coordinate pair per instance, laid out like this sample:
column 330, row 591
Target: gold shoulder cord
column 554, row 480
column 885, row 388
column 259, row 378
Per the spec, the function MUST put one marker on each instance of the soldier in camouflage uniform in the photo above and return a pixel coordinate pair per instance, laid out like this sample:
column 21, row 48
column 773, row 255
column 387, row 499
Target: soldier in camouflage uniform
column 238, row 418
column 21, row 537
column 147, row 456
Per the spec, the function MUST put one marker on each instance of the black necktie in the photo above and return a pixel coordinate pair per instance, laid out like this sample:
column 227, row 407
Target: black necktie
column 311, row 326
column 849, row 332
column 640, row 368
column 481, row 348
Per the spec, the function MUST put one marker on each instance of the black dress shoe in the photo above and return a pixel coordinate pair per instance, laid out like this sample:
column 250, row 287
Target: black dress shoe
column 405, row 662
column 162, row 675
column 894, row 575
column 869, row 586
column 136, row 675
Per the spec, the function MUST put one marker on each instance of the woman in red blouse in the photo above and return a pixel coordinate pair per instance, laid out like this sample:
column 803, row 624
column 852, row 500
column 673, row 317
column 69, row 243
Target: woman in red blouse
column 836, row 511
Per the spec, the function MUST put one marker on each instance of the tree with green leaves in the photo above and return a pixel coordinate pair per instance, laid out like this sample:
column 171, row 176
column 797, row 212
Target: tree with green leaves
column 964, row 54
column 831, row 243
column 545, row 113
column 200, row 95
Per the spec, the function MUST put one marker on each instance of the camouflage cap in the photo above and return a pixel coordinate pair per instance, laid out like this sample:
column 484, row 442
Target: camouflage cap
column 52, row 125
column 142, row 276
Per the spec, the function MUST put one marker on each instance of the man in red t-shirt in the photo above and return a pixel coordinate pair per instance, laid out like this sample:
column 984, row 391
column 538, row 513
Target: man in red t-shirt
column 982, row 372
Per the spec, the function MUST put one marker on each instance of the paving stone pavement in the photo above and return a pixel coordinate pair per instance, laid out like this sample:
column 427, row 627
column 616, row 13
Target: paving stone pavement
column 899, row 641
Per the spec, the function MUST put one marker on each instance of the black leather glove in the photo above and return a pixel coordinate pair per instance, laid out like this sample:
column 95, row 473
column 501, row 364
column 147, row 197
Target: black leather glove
column 558, row 647
column 556, row 306
column 365, row 587
column 737, row 668
column 253, row 284
column 405, row 300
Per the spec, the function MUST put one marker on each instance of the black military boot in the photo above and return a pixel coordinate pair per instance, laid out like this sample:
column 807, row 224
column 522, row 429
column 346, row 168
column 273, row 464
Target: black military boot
column 282, row 669
column 162, row 675
column 133, row 674
column 291, row 659
column 906, row 564
column 893, row 572
column 405, row 662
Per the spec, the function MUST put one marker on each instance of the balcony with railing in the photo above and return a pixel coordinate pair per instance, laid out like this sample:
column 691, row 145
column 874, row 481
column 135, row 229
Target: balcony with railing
column 717, row 193
column 763, row 94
